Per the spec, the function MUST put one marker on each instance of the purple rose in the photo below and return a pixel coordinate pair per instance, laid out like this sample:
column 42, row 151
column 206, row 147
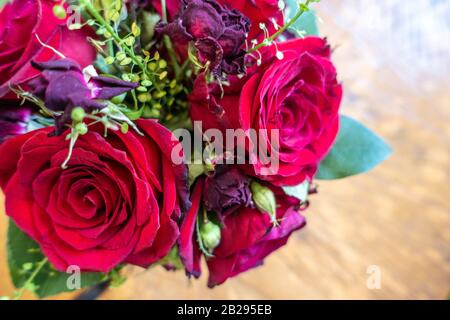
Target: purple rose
column 218, row 34
column 226, row 190
column 63, row 87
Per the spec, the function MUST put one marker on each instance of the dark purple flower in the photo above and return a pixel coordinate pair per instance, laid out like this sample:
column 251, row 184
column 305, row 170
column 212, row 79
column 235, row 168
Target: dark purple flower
column 226, row 190
column 63, row 87
column 218, row 34
column 13, row 121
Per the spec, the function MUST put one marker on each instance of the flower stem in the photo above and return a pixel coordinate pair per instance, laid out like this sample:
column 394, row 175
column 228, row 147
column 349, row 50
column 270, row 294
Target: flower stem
column 29, row 281
column 164, row 10
column 168, row 43
column 303, row 8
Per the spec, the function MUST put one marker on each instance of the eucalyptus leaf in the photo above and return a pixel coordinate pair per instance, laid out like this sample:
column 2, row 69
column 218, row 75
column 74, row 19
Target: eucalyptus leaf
column 23, row 257
column 356, row 150
column 300, row 191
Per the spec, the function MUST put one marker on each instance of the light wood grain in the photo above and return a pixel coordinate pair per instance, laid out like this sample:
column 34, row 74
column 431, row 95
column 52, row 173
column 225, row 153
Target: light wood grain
column 396, row 217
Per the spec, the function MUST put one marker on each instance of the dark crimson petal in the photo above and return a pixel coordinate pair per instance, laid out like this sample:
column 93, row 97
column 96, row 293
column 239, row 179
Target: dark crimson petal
column 220, row 270
column 57, row 65
column 18, row 205
column 252, row 225
column 11, row 153
column 209, row 50
column 167, row 142
column 110, row 87
column 165, row 240
column 187, row 241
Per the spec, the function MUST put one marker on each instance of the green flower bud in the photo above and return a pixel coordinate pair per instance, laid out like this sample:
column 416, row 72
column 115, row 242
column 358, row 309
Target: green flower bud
column 78, row 114
column 120, row 56
column 109, row 60
column 163, row 75
column 135, row 77
column 152, row 66
column 146, row 83
column 129, row 41
column 81, row 128
column 264, row 200
column 211, row 235
column 144, row 97
column 59, row 12
column 124, row 127
column 160, row 94
column 125, row 62
column 135, row 30
column 162, row 64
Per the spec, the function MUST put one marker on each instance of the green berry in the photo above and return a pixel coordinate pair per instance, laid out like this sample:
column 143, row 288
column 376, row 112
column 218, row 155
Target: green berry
column 78, row 114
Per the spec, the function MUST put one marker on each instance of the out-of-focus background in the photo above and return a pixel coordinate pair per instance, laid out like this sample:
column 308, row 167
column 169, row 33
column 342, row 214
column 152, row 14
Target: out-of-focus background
column 394, row 61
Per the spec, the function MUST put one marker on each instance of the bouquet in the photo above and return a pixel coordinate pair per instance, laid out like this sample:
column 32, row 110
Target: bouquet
column 164, row 132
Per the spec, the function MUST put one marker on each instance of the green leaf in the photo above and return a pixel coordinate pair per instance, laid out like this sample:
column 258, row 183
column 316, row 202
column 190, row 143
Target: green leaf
column 306, row 25
column 23, row 257
column 300, row 192
column 356, row 150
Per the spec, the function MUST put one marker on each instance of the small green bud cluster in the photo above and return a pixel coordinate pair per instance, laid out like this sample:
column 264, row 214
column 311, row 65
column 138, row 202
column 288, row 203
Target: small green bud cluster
column 78, row 114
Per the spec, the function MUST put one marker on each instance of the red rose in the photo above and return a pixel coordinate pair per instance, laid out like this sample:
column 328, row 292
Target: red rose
column 258, row 11
column 117, row 202
column 239, row 251
column 298, row 95
column 21, row 22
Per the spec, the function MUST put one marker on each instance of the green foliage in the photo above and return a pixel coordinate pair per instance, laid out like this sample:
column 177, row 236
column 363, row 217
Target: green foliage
column 30, row 270
column 356, row 150
column 300, row 192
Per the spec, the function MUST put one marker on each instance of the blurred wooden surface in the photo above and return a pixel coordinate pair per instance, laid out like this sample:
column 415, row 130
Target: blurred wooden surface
column 396, row 217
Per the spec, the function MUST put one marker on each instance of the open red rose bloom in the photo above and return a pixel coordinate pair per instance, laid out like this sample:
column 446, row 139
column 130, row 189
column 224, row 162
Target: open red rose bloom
column 194, row 136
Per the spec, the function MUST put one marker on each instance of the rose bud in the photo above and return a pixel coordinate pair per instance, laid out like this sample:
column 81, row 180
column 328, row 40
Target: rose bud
column 218, row 34
column 265, row 201
column 63, row 86
column 226, row 190
column 13, row 121
column 210, row 234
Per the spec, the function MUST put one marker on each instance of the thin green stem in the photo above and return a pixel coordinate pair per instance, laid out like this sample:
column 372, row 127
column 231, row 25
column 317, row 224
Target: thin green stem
column 29, row 281
column 164, row 10
column 303, row 8
column 168, row 42
column 173, row 56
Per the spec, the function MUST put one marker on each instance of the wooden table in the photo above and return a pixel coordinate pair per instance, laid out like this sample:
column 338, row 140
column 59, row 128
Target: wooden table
column 395, row 218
